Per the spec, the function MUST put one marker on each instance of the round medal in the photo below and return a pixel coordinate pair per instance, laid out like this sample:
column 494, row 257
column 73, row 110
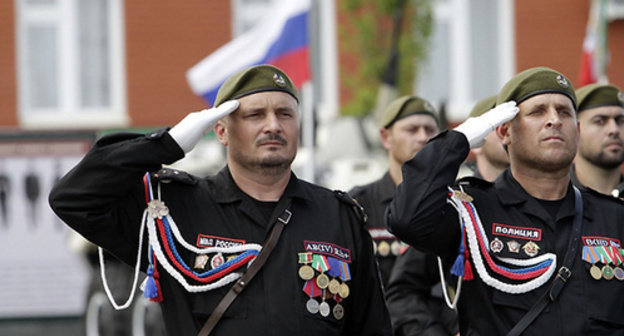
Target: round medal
column 334, row 286
column 306, row 272
column 322, row 280
column 338, row 311
column 619, row 273
column 607, row 272
column 324, row 309
column 595, row 272
column 344, row 290
column 312, row 306
column 395, row 247
column 383, row 248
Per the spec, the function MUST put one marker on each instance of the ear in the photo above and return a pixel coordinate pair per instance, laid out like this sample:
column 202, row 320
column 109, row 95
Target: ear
column 221, row 132
column 504, row 133
column 384, row 134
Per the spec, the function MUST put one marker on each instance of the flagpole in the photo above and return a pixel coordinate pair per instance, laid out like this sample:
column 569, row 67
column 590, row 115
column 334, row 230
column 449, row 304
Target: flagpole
column 329, row 93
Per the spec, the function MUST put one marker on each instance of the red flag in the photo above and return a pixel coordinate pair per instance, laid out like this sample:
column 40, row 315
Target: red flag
column 594, row 59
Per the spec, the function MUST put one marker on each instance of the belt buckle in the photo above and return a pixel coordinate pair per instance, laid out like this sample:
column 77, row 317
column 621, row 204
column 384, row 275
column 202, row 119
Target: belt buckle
column 564, row 273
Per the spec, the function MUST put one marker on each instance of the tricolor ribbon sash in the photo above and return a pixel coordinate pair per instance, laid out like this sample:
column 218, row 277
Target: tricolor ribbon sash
column 536, row 270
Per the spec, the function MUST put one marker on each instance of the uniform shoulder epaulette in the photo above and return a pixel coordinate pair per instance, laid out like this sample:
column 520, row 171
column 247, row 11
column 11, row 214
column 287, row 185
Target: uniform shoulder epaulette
column 167, row 175
column 474, row 181
column 346, row 198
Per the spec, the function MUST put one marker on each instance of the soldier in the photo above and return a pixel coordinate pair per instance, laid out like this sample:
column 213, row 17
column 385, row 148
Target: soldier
column 490, row 159
column 415, row 275
column 598, row 162
column 534, row 253
column 406, row 126
column 319, row 279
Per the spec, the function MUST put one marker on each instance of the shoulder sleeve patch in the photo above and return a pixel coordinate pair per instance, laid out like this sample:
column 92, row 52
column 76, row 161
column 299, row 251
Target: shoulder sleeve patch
column 167, row 175
column 346, row 198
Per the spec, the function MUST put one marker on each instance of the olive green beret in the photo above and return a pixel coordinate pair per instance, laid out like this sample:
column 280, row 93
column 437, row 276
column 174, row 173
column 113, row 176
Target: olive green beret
column 533, row 82
column 405, row 106
column 483, row 106
column 259, row 78
column 597, row 95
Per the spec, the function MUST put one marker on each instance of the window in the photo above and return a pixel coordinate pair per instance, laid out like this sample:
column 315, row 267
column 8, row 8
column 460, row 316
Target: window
column 471, row 54
column 70, row 64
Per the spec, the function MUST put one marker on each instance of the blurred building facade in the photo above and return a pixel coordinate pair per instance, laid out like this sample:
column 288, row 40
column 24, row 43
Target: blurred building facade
column 97, row 64
column 72, row 66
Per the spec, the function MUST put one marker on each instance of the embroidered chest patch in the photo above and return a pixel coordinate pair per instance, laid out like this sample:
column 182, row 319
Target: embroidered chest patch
column 601, row 241
column 517, row 232
column 215, row 241
column 329, row 249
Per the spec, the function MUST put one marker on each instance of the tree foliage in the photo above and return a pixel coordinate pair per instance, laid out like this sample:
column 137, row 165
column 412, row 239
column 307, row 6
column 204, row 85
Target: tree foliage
column 367, row 33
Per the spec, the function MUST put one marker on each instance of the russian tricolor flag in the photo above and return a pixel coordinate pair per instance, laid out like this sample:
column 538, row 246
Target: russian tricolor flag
column 280, row 39
column 593, row 67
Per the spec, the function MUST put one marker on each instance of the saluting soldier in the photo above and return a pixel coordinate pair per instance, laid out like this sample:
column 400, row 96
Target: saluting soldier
column 206, row 238
column 490, row 158
column 535, row 255
column 413, row 292
column 598, row 162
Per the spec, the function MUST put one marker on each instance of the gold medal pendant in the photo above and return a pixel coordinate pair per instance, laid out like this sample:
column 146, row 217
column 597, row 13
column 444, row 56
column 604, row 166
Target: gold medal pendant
column 334, row 286
column 383, row 248
column 322, row 280
column 595, row 272
column 344, row 290
column 607, row 272
column 306, row 272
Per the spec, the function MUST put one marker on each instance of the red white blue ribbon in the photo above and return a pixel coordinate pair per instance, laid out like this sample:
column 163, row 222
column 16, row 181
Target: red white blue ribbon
column 536, row 270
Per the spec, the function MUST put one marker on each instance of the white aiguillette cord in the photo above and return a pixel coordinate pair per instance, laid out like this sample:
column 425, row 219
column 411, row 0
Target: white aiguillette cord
column 153, row 238
column 136, row 271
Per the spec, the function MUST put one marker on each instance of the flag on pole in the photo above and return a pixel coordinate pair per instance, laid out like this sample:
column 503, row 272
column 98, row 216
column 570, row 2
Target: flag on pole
column 594, row 60
column 280, row 39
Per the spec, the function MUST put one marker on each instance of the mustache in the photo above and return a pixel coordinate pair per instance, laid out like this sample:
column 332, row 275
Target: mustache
column 271, row 138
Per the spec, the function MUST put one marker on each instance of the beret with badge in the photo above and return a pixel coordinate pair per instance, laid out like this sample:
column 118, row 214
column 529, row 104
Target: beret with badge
column 405, row 106
column 533, row 82
column 259, row 78
column 598, row 95
column 483, row 106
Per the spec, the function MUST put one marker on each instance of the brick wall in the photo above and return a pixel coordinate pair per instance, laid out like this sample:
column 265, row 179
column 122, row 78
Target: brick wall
column 163, row 40
column 8, row 92
column 551, row 33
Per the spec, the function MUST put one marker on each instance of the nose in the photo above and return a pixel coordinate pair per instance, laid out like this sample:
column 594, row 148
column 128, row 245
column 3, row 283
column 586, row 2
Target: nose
column 272, row 124
column 613, row 129
column 554, row 120
column 422, row 135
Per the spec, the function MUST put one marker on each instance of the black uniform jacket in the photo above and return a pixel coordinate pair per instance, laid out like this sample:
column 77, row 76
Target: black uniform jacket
column 375, row 198
column 103, row 199
column 420, row 216
column 617, row 192
column 410, row 277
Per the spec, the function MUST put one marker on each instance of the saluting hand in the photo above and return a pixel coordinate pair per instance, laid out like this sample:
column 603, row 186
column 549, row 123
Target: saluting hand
column 477, row 128
column 197, row 124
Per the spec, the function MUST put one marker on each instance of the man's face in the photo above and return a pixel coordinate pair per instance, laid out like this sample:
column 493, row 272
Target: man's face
column 493, row 151
column 543, row 135
column 408, row 135
column 601, row 140
column 263, row 133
